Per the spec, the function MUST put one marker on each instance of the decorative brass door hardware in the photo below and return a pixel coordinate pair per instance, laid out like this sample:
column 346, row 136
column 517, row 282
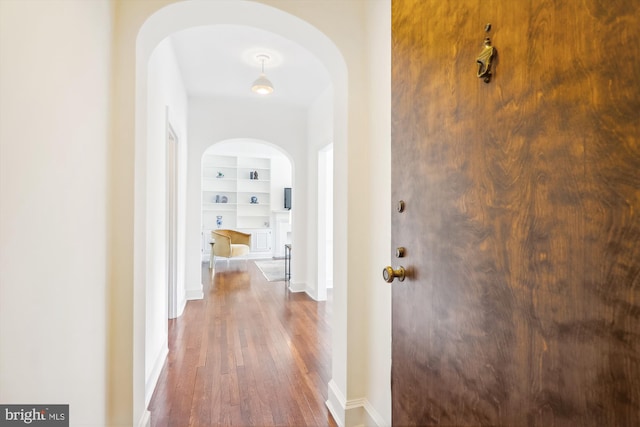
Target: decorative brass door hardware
column 484, row 59
column 389, row 273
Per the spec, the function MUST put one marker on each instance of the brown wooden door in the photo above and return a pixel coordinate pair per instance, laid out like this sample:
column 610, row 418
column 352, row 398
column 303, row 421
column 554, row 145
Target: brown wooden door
column 522, row 219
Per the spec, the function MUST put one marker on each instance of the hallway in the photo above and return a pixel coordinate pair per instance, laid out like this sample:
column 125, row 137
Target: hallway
column 249, row 354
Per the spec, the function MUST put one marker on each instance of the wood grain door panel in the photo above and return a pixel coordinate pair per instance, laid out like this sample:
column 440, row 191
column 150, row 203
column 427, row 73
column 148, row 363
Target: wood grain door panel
column 522, row 220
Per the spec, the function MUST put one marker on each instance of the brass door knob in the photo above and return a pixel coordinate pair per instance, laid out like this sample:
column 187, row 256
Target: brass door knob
column 388, row 274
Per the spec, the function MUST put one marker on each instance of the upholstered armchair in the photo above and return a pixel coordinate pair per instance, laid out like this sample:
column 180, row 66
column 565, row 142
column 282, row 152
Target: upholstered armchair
column 230, row 244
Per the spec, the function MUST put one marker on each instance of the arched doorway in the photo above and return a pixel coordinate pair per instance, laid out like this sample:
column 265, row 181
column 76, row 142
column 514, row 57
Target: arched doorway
column 185, row 15
column 225, row 199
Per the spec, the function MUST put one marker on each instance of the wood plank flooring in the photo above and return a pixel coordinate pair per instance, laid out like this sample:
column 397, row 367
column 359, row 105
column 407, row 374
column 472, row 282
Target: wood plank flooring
column 250, row 353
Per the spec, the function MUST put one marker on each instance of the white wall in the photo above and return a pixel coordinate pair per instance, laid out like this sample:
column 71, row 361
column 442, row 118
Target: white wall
column 325, row 217
column 378, row 314
column 281, row 177
column 167, row 100
column 320, row 135
column 54, row 154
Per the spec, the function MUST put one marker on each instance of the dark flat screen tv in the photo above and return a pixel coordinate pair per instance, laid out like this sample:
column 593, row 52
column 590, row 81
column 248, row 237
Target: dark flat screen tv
column 287, row 198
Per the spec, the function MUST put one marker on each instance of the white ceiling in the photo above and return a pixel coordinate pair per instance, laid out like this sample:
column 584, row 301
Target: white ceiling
column 220, row 61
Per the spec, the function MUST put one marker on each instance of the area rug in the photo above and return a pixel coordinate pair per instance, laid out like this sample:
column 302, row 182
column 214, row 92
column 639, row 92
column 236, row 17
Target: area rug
column 273, row 270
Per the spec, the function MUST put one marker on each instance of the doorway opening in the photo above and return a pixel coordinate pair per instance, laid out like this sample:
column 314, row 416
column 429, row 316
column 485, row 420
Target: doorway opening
column 243, row 182
column 172, row 165
column 325, row 221
column 268, row 123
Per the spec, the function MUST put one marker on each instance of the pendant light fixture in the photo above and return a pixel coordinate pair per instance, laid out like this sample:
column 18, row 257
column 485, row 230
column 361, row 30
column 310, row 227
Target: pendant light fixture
column 262, row 85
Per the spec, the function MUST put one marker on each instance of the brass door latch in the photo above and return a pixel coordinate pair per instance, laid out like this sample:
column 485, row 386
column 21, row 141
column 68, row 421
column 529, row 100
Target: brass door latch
column 390, row 273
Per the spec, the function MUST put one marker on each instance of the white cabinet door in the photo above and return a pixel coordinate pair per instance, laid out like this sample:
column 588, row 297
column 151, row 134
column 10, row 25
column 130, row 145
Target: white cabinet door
column 206, row 245
column 261, row 240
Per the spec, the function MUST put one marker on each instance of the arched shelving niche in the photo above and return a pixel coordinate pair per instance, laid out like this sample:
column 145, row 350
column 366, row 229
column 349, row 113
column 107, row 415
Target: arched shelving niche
column 242, row 188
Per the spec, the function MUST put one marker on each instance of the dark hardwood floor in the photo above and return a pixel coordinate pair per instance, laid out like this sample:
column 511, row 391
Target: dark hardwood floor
column 250, row 353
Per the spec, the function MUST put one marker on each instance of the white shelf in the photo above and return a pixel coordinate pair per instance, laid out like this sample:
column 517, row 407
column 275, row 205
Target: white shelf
column 219, row 206
column 238, row 187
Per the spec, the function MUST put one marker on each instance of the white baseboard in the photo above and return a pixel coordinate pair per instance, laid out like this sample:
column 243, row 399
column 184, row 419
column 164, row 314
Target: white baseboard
column 313, row 293
column 194, row 294
column 336, row 403
column 145, row 420
column 150, row 383
column 297, row 287
column 353, row 412
column 303, row 287
column 373, row 417
column 181, row 306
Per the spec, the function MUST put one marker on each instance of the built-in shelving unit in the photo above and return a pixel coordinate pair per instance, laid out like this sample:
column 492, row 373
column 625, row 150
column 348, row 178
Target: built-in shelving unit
column 237, row 190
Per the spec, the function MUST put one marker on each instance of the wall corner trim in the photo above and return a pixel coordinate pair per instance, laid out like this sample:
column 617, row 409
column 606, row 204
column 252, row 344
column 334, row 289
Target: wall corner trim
column 194, row 294
column 182, row 304
column 154, row 375
column 373, row 416
column 298, row 287
column 336, row 403
column 352, row 412
column 145, row 419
